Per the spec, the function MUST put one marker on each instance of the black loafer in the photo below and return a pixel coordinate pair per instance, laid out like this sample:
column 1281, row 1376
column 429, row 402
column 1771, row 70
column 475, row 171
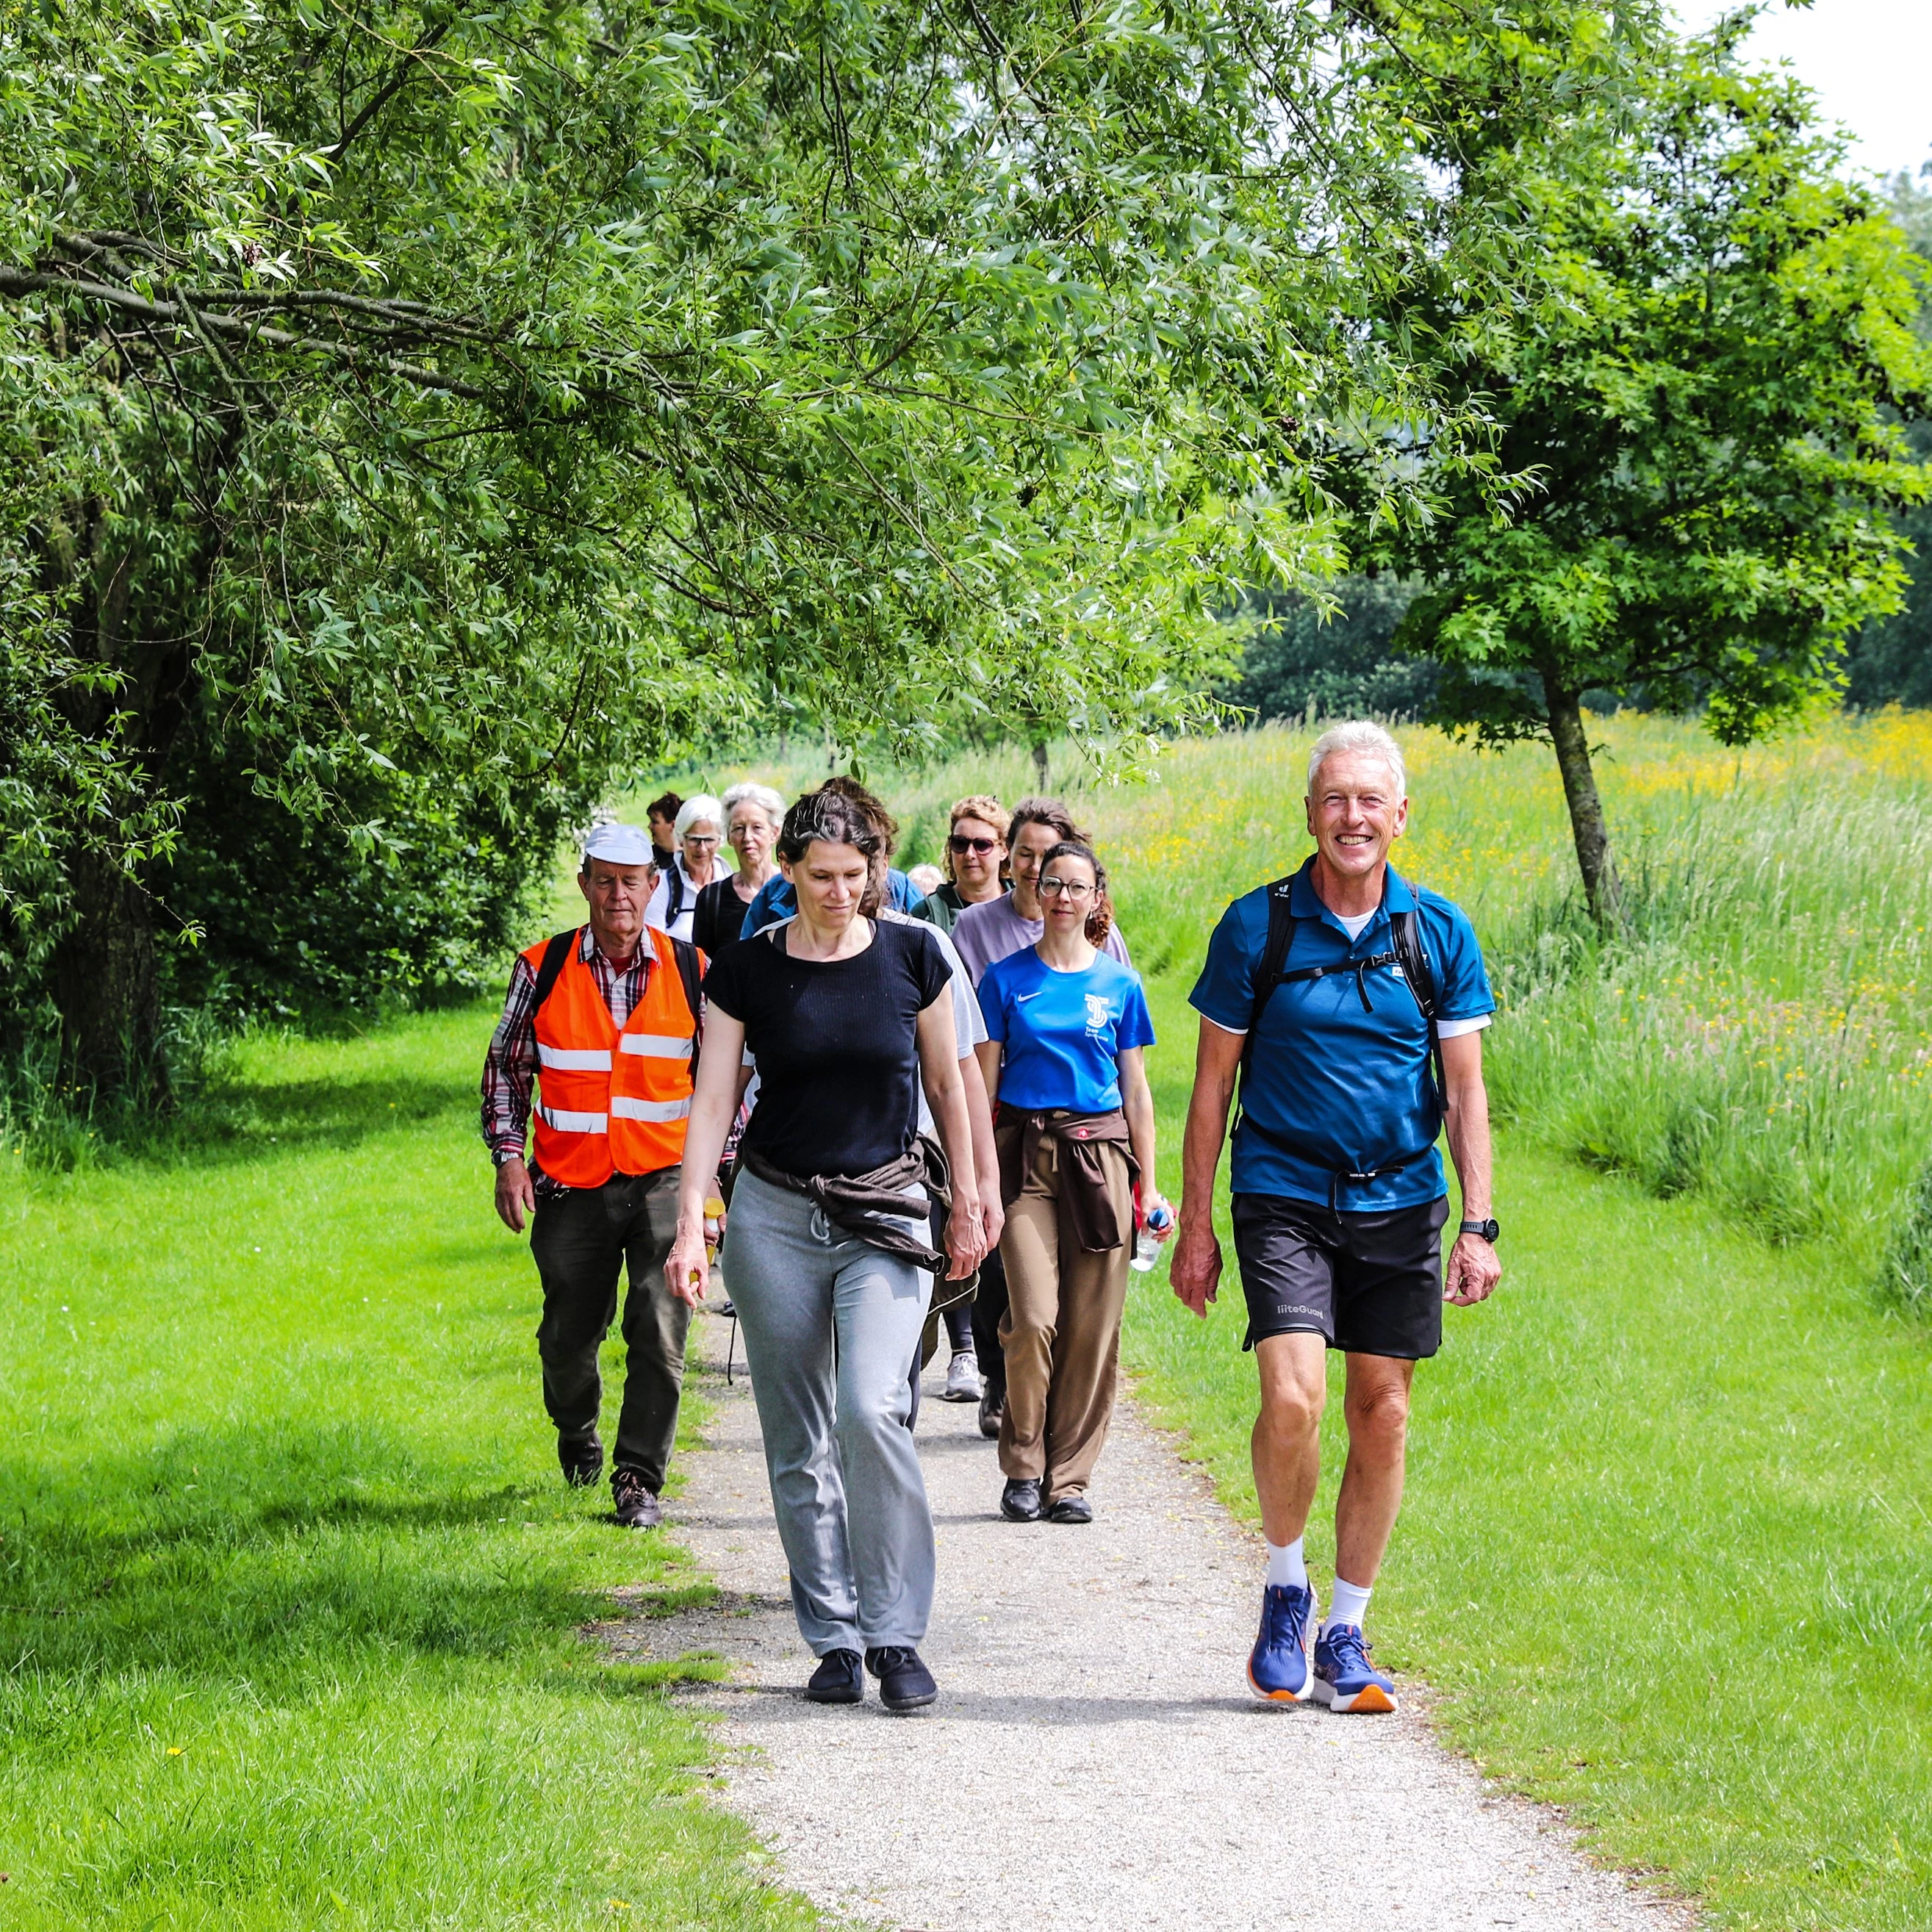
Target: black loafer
column 581, row 1460
column 1019, row 1502
column 637, row 1508
column 904, row 1682
column 840, row 1679
column 1071, row 1509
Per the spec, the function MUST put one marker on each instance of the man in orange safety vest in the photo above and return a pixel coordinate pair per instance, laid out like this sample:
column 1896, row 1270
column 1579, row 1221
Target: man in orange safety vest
column 604, row 1022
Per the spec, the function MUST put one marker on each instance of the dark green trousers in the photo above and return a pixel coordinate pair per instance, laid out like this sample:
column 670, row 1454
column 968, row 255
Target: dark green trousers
column 579, row 1241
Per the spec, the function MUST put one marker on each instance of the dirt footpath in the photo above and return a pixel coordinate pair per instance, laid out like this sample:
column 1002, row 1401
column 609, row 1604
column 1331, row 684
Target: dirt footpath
column 1094, row 1759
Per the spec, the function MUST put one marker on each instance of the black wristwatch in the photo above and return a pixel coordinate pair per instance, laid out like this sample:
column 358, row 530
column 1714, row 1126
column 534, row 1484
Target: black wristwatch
column 1489, row 1230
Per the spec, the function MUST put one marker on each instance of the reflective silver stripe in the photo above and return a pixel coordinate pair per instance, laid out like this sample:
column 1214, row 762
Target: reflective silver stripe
column 623, row 1107
column 574, row 1059
column 567, row 1123
column 656, row 1046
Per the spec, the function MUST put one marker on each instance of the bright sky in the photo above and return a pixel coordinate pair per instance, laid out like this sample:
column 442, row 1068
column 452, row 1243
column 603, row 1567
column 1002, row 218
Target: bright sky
column 1869, row 61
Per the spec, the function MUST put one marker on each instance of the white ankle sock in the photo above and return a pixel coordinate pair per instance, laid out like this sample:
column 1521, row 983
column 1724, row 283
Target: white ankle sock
column 1348, row 1603
column 1286, row 1565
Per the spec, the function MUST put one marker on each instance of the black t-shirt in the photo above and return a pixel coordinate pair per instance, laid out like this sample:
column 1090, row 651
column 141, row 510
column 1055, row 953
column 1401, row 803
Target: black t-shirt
column 836, row 1042
column 718, row 917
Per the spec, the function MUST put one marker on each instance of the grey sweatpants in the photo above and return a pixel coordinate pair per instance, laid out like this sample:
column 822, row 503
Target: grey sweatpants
column 831, row 1327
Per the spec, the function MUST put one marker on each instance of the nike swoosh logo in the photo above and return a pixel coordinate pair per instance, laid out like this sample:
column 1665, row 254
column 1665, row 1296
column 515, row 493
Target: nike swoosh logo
column 1020, row 999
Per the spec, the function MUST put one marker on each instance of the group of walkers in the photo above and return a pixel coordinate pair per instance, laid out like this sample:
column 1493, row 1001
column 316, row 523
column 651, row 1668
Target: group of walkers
column 914, row 1100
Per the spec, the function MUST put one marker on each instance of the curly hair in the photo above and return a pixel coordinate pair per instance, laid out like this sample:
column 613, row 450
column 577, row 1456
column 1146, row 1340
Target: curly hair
column 829, row 818
column 1100, row 914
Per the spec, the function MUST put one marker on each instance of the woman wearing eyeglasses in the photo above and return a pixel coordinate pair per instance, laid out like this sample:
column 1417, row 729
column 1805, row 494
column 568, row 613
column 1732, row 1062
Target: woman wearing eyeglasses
column 976, row 860
column 1067, row 1028
column 674, row 904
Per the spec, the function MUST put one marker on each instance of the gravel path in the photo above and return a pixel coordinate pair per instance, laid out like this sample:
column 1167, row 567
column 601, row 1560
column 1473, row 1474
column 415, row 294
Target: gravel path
column 1094, row 1760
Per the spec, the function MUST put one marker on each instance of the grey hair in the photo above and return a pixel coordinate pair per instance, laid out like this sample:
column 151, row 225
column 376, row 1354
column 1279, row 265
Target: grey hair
column 703, row 806
column 1359, row 735
column 763, row 797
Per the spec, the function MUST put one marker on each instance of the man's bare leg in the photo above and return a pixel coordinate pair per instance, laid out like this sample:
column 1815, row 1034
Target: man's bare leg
column 1287, row 1441
column 1376, row 1405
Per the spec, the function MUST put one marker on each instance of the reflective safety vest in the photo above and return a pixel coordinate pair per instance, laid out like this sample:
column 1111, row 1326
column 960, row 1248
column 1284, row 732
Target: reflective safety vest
column 611, row 1102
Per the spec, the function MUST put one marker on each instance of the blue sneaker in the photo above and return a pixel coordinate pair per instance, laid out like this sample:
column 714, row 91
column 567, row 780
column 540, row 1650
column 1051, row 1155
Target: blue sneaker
column 1278, row 1668
column 1344, row 1679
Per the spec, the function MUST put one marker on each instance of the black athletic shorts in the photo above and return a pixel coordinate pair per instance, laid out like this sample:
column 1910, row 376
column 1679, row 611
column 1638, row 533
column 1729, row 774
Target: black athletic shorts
column 1371, row 1284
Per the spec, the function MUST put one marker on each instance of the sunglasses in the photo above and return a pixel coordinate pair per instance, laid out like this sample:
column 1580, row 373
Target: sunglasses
column 958, row 842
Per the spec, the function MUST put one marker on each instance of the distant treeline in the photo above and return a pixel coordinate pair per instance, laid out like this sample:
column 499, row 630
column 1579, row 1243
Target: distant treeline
column 1348, row 664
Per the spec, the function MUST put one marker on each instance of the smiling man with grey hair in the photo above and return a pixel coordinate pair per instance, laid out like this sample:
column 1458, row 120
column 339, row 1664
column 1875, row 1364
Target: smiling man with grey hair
column 1351, row 1005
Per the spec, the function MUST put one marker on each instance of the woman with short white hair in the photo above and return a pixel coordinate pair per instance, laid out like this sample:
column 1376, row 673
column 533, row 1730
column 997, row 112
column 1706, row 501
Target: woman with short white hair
column 753, row 814
column 696, row 831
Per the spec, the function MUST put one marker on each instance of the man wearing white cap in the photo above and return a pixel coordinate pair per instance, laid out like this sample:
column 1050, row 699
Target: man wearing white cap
column 606, row 1020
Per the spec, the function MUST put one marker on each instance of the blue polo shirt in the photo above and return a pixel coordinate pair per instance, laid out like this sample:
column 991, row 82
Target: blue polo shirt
column 1064, row 1032
column 775, row 900
column 1349, row 1090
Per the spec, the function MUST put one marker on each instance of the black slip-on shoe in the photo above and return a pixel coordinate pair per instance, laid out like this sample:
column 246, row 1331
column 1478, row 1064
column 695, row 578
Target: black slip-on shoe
column 637, row 1508
column 904, row 1682
column 1019, row 1501
column 1070, row 1509
column 581, row 1460
column 992, row 1413
column 840, row 1679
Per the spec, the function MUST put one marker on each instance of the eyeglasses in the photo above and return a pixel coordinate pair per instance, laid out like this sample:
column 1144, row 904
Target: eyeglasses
column 698, row 838
column 1070, row 888
column 959, row 842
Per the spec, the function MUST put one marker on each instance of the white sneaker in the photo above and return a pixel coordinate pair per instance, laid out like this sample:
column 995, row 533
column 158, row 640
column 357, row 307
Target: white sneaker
column 962, row 1378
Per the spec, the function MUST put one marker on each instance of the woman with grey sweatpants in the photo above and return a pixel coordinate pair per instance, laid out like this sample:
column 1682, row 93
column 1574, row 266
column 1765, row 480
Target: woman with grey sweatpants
column 846, row 1015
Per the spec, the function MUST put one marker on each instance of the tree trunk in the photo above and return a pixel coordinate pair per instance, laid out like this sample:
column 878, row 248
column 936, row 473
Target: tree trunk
column 1602, row 890
column 106, row 987
column 1040, row 763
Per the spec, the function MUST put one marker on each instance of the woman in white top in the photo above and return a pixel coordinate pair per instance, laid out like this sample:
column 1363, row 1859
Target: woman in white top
column 699, row 825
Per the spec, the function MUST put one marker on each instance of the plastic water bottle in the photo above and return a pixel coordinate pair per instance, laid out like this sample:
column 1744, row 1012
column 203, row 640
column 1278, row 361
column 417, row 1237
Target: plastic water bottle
column 1147, row 1244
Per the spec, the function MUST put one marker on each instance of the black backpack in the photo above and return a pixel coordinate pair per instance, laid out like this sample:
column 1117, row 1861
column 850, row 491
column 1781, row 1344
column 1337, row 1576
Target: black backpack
column 551, row 969
column 1405, row 950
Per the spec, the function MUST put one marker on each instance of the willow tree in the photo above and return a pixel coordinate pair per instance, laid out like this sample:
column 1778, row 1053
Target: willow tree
column 1700, row 415
column 411, row 412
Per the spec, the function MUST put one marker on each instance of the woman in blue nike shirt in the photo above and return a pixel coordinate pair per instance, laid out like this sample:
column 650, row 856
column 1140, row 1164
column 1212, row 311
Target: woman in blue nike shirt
column 1066, row 1026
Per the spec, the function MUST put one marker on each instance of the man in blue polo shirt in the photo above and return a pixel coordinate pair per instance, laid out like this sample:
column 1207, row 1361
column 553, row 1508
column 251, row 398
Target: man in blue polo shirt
column 1339, row 1201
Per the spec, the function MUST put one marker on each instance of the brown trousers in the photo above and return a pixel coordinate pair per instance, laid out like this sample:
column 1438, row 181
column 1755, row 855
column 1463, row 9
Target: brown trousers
column 1061, row 1333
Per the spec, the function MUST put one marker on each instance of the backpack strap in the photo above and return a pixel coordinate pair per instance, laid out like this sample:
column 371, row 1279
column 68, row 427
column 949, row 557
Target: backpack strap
column 550, row 969
column 1274, row 956
column 1406, row 931
column 692, row 974
column 674, row 898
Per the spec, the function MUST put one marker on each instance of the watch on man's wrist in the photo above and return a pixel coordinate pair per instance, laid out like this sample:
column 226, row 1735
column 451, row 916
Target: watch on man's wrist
column 1489, row 1230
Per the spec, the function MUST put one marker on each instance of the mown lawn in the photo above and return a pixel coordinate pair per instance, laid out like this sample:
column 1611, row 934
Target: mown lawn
column 1663, row 1556
column 290, row 1588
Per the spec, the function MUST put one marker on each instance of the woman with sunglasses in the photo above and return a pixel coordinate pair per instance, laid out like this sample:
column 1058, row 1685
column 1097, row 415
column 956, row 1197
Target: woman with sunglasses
column 976, row 860
column 1067, row 1027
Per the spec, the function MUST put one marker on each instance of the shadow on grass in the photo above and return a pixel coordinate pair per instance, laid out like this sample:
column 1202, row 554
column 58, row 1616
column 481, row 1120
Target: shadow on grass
column 281, row 1556
column 235, row 1120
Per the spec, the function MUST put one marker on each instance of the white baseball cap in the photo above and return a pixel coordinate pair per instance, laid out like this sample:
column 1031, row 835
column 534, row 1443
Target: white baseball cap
column 619, row 845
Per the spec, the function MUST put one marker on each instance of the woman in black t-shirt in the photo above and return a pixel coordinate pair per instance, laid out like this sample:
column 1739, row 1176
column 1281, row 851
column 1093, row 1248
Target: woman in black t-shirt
column 828, row 1234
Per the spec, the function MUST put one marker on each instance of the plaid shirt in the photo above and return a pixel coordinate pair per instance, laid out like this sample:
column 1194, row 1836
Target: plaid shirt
column 510, row 1070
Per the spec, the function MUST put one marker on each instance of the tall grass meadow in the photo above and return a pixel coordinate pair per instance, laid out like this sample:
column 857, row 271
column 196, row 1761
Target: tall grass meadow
column 1761, row 1040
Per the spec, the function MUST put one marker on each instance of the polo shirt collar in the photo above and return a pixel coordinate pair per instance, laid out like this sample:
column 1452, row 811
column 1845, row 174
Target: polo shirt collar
column 1304, row 902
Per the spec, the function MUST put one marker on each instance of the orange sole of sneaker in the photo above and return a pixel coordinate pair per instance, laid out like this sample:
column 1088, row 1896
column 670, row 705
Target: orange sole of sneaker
column 1273, row 1697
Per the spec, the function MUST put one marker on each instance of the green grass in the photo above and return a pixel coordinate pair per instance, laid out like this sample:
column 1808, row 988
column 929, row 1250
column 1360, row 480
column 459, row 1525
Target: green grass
column 289, row 1590
column 291, row 1594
